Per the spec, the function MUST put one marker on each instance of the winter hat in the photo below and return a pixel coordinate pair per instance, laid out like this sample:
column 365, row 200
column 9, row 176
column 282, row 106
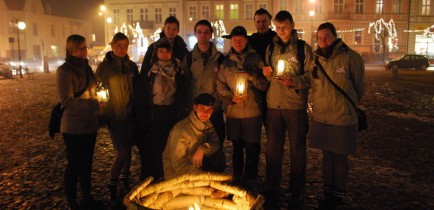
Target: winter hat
column 204, row 99
column 237, row 31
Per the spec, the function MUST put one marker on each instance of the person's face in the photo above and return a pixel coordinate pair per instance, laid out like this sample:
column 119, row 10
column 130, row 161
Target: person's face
column 325, row 38
column 238, row 42
column 81, row 52
column 262, row 23
column 120, row 48
column 203, row 34
column 284, row 29
column 203, row 112
column 164, row 54
column 171, row 31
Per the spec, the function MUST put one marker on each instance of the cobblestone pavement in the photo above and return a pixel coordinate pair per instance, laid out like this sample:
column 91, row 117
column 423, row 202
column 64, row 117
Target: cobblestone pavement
column 393, row 168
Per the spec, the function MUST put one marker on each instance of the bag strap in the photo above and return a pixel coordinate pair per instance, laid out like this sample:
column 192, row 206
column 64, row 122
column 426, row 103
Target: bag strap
column 318, row 64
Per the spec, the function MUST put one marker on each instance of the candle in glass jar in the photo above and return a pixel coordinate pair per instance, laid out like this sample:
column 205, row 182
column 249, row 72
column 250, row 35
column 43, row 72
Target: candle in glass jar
column 102, row 93
column 241, row 88
column 280, row 67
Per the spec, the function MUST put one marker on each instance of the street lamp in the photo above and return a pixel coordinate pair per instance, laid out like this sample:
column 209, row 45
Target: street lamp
column 312, row 35
column 20, row 26
column 108, row 21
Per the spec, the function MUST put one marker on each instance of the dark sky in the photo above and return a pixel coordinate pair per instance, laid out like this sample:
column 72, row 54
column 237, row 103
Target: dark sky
column 80, row 9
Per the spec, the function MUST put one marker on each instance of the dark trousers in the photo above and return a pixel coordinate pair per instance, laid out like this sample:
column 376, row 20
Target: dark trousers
column 296, row 123
column 335, row 172
column 79, row 154
column 253, row 150
column 219, row 125
column 152, row 146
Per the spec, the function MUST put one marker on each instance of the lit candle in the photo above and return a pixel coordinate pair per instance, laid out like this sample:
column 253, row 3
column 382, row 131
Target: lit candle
column 102, row 93
column 240, row 85
column 280, row 67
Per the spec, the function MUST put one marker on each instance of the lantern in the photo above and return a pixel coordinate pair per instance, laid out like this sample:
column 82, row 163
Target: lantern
column 241, row 84
column 280, row 68
column 102, row 93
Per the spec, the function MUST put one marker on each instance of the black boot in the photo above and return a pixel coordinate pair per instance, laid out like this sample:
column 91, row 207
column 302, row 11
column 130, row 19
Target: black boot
column 124, row 180
column 113, row 189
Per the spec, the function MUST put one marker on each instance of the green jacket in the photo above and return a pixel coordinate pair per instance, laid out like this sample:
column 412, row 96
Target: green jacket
column 119, row 75
column 346, row 68
column 278, row 95
column 184, row 139
column 252, row 64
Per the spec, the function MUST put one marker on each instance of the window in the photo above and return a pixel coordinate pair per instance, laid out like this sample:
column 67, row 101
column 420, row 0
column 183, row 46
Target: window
column 193, row 12
column 158, row 15
column 426, row 5
column 338, row 7
column 219, row 11
column 262, row 5
column 204, row 12
column 298, row 6
column 396, row 6
column 379, row 6
column 172, row 11
column 35, row 29
column 129, row 15
column 359, row 6
column 53, row 30
column 116, row 16
column 234, row 14
column 142, row 16
column 357, row 37
column 248, row 11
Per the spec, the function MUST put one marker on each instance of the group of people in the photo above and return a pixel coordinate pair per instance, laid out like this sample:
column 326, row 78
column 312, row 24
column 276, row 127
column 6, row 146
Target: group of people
column 181, row 106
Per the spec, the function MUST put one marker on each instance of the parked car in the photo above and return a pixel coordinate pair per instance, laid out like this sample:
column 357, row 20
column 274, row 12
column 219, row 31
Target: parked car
column 5, row 70
column 408, row 61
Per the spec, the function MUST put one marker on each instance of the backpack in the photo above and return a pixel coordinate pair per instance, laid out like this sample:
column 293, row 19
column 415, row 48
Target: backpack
column 300, row 53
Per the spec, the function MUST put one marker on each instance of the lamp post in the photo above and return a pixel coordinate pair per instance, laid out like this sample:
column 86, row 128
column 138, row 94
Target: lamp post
column 20, row 25
column 311, row 14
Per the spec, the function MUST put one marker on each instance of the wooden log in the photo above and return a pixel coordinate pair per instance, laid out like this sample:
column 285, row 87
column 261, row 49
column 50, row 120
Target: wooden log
column 228, row 188
column 136, row 191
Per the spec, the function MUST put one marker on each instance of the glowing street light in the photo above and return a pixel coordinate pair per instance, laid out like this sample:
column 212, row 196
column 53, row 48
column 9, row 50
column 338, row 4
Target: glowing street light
column 20, row 26
column 312, row 36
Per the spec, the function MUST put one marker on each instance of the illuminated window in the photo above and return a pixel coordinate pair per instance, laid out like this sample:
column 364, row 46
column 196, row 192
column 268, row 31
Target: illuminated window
column 319, row 5
column 234, row 14
column 360, row 4
column 298, row 7
column 357, row 37
column 379, row 6
column 219, row 11
column 248, row 11
column 262, row 5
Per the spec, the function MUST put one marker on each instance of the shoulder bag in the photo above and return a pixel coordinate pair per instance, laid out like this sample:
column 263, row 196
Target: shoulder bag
column 57, row 112
column 361, row 116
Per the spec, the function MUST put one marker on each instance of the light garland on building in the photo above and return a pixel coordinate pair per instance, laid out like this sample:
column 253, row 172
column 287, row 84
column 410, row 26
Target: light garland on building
column 350, row 31
column 381, row 25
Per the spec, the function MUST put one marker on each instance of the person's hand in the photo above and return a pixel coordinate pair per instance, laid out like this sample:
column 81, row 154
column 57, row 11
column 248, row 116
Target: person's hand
column 286, row 81
column 237, row 99
column 198, row 157
column 267, row 71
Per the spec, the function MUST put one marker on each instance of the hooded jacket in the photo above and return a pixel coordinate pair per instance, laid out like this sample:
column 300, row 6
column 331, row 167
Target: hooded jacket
column 184, row 139
column 346, row 68
column 278, row 95
column 119, row 75
column 252, row 64
column 80, row 115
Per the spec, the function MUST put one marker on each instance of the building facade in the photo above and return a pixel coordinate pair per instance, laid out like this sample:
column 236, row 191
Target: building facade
column 377, row 29
column 43, row 37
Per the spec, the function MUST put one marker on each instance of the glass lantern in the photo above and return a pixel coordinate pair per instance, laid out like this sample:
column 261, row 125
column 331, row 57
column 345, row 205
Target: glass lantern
column 241, row 84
